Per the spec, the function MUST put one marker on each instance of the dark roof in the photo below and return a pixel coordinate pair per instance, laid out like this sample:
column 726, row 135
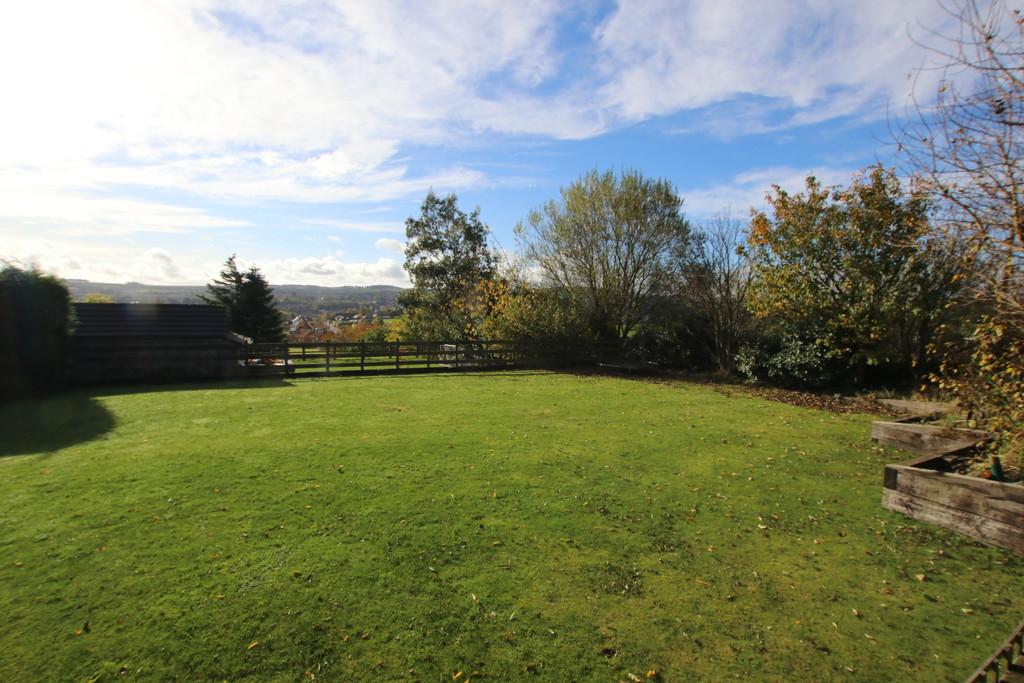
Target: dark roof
column 150, row 320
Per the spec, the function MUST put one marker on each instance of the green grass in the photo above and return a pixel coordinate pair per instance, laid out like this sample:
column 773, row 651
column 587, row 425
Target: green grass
column 508, row 526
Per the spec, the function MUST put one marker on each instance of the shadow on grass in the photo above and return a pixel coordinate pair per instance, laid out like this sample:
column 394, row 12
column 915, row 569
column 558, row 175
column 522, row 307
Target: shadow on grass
column 49, row 424
column 467, row 373
column 187, row 385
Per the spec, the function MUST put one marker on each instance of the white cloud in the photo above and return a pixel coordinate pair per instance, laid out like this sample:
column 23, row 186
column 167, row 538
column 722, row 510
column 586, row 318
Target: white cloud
column 825, row 59
column 332, row 271
column 388, row 244
column 251, row 103
column 748, row 189
column 80, row 259
column 254, row 100
column 313, row 103
column 356, row 226
column 60, row 207
column 160, row 262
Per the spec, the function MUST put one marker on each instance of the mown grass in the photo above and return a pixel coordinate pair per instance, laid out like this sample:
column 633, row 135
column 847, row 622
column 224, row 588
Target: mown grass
column 505, row 526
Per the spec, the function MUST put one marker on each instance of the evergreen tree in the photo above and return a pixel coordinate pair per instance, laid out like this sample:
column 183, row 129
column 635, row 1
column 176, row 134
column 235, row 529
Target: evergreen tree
column 257, row 310
column 249, row 302
column 225, row 291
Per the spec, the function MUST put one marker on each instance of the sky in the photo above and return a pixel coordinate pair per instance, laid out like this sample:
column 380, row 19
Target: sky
column 148, row 141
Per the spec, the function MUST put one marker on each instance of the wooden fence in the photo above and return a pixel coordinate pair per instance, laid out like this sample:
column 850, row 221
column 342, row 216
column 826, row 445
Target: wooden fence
column 337, row 358
column 1007, row 664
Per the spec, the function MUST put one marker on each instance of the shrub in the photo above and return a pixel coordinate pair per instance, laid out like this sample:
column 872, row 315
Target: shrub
column 857, row 272
column 35, row 323
column 987, row 377
column 681, row 336
column 791, row 360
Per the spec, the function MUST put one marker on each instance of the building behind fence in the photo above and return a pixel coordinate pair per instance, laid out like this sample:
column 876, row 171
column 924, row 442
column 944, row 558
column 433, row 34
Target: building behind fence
column 137, row 343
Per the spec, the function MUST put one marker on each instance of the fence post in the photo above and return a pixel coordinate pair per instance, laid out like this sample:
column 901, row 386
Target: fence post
column 398, row 355
column 327, row 357
column 362, row 356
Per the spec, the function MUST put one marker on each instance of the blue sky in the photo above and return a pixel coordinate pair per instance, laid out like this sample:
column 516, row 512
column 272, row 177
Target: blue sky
column 147, row 141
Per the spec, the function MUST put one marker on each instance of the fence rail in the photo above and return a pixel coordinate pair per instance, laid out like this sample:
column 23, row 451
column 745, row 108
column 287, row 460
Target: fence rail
column 1005, row 663
column 130, row 360
column 307, row 359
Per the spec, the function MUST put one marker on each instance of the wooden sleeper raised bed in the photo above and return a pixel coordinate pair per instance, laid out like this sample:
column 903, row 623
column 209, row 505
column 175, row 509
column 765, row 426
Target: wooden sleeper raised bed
column 924, row 488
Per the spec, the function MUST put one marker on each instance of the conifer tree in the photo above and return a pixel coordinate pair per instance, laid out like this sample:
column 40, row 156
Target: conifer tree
column 249, row 302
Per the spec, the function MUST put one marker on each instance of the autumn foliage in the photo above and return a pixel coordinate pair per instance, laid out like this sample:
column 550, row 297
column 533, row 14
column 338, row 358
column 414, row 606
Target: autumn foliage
column 851, row 277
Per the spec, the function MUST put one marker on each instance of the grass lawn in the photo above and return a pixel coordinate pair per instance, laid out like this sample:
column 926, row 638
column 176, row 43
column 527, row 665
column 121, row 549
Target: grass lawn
column 505, row 526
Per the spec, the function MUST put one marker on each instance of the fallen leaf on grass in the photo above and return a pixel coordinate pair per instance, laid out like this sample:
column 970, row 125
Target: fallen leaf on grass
column 252, row 645
column 920, row 577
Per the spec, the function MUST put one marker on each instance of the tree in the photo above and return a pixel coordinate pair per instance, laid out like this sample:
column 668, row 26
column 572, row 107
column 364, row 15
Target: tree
column 966, row 149
column 966, row 146
column 525, row 312
column 35, row 323
column 249, row 302
column 97, row 298
column 850, row 275
column 226, row 290
column 717, row 281
column 257, row 312
column 611, row 246
column 447, row 258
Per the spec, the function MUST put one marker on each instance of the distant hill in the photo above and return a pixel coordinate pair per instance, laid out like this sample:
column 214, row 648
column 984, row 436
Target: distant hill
column 292, row 299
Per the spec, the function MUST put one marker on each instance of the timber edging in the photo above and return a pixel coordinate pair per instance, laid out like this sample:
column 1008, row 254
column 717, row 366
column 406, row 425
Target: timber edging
column 1006, row 664
column 923, row 488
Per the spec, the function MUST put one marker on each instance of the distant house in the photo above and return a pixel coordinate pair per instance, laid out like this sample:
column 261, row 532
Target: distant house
column 301, row 329
column 127, row 343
